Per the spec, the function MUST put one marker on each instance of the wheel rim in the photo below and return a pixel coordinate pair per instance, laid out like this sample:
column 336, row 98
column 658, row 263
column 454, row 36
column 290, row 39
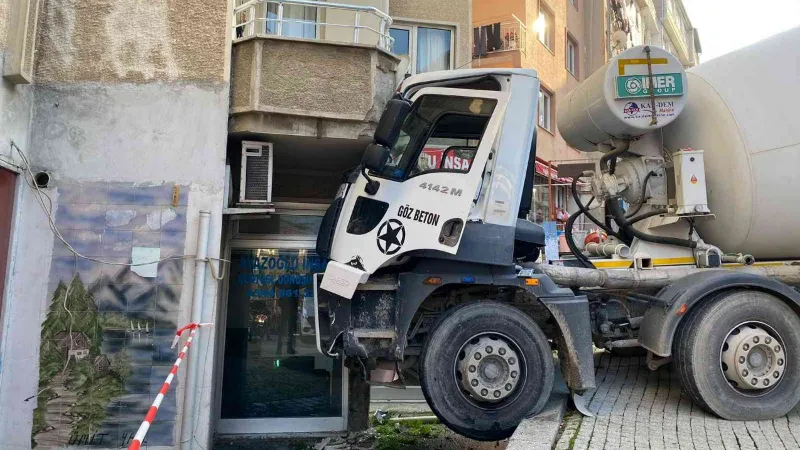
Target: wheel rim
column 490, row 370
column 753, row 358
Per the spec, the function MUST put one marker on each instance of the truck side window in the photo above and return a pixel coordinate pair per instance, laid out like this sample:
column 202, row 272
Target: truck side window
column 441, row 158
column 438, row 122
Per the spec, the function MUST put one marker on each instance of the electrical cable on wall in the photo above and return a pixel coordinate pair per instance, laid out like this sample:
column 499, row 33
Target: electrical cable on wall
column 30, row 180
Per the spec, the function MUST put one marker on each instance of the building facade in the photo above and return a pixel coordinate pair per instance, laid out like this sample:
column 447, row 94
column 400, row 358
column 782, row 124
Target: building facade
column 566, row 41
column 135, row 136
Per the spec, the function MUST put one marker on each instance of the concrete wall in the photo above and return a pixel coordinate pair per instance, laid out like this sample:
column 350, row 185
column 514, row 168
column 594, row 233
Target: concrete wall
column 455, row 13
column 300, row 83
column 129, row 106
column 16, row 102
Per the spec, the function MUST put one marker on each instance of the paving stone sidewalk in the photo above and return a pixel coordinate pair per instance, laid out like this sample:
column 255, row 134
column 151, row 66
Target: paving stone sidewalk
column 640, row 409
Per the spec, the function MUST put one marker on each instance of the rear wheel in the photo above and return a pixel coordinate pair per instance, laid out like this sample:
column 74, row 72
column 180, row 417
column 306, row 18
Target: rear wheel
column 484, row 368
column 737, row 356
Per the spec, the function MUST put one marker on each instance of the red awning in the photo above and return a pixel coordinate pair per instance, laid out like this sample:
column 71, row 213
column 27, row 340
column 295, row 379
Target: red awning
column 546, row 171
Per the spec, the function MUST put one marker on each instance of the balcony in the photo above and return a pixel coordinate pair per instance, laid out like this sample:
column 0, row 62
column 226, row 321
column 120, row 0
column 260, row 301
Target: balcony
column 310, row 68
column 499, row 43
column 681, row 32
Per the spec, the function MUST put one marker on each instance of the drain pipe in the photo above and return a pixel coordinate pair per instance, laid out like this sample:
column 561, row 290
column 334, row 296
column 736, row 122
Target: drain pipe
column 192, row 398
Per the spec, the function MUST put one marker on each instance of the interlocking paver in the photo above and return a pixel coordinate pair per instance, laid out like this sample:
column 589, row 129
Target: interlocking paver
column 640, row 409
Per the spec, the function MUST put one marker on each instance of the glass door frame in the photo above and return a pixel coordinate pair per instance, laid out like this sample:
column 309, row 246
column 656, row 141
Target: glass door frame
column 273, row 425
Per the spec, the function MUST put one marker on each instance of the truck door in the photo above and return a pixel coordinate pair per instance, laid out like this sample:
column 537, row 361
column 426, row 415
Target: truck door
column 429, row 184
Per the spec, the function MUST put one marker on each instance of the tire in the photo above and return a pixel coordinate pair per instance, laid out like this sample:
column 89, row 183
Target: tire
column 442, row 356
column 698, row 349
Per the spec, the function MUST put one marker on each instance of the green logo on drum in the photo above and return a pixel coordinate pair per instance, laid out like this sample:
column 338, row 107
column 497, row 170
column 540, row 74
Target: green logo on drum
column 638, row 86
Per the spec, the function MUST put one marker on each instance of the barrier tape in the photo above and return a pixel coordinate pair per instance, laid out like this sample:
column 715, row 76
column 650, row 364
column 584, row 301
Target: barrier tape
column 151, row 413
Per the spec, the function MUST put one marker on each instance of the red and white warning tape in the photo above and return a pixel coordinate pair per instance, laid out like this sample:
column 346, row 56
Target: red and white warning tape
column 151, row 413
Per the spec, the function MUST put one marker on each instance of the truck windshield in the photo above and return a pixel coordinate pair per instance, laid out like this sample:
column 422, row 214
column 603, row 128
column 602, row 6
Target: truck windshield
column 439, row 120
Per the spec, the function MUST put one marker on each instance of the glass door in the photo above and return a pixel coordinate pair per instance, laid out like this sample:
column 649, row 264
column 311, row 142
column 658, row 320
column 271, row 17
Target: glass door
column 271, row 369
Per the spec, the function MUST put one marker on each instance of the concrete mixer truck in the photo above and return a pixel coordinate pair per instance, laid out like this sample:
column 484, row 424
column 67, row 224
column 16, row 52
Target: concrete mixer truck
column 434, row 267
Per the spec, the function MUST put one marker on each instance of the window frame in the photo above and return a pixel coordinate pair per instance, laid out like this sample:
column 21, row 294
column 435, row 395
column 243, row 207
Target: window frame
column 549, row 95
column 570, row 40
column 413, row 29
column 417, row 151
column 549, row 30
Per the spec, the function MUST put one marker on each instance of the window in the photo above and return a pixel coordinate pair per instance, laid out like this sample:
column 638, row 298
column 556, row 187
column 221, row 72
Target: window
column 298, row 20
column 402, row 40
column 572, row 55
column 427, row 48
column 444, row 158
column 543, row 26
column 433, row 49
column 438, row 130
column 545, row 106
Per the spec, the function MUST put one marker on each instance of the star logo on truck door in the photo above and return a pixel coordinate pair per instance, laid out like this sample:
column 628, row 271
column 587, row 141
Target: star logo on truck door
column 391, row 236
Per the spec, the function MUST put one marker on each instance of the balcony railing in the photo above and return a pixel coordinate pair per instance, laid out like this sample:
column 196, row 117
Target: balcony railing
column 677, row 18
column 501, row 36
column 315, row 20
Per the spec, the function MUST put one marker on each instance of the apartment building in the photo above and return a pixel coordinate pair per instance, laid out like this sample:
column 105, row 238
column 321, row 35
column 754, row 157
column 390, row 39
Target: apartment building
column 566, row 41
column 136, row 137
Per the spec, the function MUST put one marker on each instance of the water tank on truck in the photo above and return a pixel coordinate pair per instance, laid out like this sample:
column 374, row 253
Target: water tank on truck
column 616, row 101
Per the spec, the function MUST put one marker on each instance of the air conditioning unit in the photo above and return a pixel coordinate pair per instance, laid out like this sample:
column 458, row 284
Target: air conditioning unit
column 255, row 187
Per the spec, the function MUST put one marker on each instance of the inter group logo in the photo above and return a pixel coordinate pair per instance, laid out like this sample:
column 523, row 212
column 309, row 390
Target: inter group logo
column 633, row 85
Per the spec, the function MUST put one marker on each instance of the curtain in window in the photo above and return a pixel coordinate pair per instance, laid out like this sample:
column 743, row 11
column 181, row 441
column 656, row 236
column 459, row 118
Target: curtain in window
column 433, row 49
column 298, row 20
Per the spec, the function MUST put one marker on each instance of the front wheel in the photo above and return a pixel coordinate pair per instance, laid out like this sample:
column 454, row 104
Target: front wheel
column 737, row 356
column 485, row 367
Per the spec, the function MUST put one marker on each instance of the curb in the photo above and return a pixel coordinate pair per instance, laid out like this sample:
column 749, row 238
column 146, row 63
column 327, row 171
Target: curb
column 541, row 430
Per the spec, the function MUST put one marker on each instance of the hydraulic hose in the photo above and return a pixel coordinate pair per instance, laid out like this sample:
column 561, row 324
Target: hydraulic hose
column 571, row 242
column 630, row 221
column 612, row 156
column 619, row 217
column 586, row 212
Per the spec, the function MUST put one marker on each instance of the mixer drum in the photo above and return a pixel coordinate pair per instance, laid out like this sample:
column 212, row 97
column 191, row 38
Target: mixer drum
column 743, row 112
column 614, row 102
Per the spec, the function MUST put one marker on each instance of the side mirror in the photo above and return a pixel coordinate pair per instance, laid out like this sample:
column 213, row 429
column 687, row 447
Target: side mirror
column 375, row 157
column 388, row 129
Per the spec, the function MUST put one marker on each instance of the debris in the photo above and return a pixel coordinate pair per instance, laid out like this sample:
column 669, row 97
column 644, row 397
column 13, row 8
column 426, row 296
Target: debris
column 414, row 418
column 380, row 416
column 322, row 444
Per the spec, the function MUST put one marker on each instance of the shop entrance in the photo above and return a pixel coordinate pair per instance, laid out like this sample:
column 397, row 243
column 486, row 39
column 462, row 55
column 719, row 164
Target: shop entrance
column 271, row 370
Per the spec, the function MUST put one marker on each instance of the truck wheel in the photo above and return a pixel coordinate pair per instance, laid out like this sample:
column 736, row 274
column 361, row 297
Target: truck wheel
column 485, row 367
column 737, row 356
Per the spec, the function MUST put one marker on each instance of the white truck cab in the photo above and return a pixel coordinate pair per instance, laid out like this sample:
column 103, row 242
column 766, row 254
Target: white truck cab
column 444, row 171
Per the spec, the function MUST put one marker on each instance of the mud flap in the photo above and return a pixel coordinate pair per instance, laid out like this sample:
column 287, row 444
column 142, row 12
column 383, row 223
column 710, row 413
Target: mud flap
column 575, row 343
column 581, row 404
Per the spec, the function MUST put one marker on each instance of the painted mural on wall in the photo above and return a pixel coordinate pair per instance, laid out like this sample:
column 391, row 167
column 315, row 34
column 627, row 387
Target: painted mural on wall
column 105, row 340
